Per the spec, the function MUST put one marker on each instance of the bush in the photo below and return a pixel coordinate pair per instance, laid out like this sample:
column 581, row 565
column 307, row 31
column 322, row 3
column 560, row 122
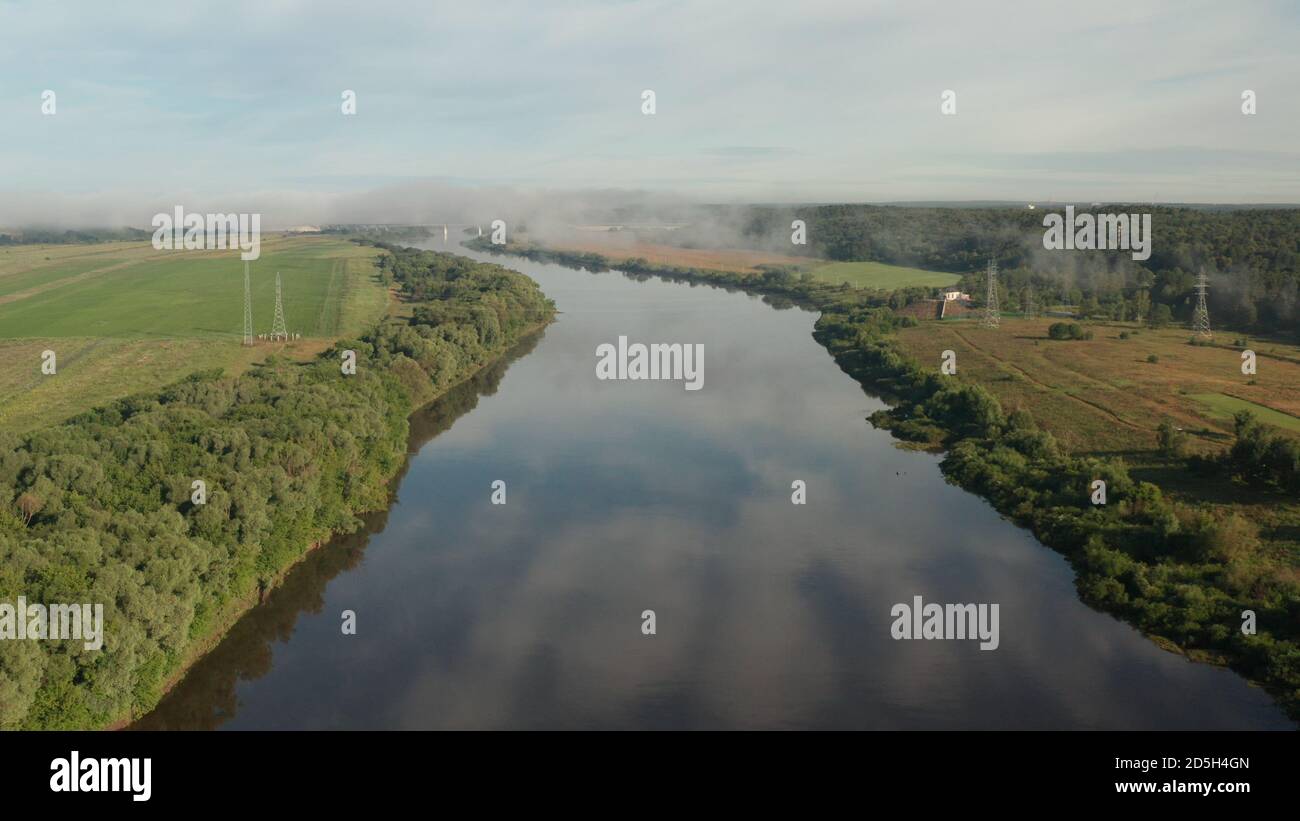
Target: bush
column 1226, row 540
column 1173, row 442
column 1152, row 358
column 1067, row 330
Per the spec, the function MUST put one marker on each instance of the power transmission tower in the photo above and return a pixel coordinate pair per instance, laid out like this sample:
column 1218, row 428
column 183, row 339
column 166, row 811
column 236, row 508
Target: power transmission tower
column 248, row 309
column 1201, row 318
column 992, row 316
column 278, row 331
column 1031, row 307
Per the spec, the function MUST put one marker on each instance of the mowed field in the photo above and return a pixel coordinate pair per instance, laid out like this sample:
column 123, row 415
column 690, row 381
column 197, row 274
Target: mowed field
column 882, row 276
column 1102, row 395
column 123, row 318
column 619, row 246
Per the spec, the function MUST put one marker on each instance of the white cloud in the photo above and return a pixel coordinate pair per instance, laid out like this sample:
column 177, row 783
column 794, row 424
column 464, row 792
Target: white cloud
column 159, row 99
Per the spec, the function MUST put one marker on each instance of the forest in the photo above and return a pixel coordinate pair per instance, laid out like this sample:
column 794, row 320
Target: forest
column 1251, row 255
column 50, row 236
column 99, row 508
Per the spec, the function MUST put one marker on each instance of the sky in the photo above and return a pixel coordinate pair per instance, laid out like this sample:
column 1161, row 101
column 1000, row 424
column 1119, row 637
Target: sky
column 235, row 105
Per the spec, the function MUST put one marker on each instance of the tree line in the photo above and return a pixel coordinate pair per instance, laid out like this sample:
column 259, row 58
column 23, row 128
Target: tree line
column 1252, row 256
column 100, row 508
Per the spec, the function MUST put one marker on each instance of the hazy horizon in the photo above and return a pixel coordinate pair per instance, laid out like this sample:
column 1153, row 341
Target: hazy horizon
column 156, row 105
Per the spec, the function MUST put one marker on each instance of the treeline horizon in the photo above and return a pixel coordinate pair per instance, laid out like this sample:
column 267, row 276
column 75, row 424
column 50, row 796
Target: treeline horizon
column 1251, row 256
column 98, row 508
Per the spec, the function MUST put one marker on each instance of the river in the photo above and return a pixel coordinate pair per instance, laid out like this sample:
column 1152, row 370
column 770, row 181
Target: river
column 625, row 496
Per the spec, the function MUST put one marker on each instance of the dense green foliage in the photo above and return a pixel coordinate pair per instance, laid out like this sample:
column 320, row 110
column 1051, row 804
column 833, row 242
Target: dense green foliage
column 1068, row 330
column 99, row 509
column 49, row 236
column 379, row 234
column 1262, row 457
column 1174, row 570
column 1252, row 255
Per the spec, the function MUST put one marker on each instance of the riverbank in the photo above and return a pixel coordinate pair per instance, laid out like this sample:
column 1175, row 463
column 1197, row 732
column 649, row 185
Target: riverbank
column 290, row 454
column 416, row 438
column 1180, row 574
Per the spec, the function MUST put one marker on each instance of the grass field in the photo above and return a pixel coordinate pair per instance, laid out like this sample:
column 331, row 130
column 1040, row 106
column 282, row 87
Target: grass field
column 1102, row 395
column 880, row 275
column 122, row 317
column 619, row 246
column 1223, row 406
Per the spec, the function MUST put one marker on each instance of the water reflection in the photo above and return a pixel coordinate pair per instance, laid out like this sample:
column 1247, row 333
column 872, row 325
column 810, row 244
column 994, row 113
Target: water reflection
column 206, row 697
column 626, row 496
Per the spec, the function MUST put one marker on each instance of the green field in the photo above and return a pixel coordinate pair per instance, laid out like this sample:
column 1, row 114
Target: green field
column 122, row 317
column 1223, row 407
column 1102, row 395
column 880, row 275
column 133, row 291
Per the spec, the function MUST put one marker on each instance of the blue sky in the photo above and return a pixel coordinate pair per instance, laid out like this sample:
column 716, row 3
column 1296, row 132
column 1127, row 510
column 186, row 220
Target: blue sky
column 759, row 100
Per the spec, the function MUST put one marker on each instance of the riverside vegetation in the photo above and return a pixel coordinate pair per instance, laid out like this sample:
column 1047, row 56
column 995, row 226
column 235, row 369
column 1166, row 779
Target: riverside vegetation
column 98, row 508
column 1180, row 573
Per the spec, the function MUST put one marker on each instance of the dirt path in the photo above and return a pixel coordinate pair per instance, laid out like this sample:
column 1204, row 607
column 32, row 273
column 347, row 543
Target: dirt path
column 1030, row 378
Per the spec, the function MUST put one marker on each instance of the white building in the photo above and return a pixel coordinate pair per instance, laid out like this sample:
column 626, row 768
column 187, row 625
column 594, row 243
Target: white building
column 955, row 294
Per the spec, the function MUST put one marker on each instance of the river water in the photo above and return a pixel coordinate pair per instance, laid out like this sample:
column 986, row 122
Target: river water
column 625, row 496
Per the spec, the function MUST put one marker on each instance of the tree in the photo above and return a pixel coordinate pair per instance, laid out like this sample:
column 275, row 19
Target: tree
column 1142, row 301
column 29, row 505
column 1173, row 442
column 1161, row 315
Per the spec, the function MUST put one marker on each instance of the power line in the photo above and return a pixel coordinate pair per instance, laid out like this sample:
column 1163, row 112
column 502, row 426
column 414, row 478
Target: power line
column 992, row 316
column 1201, row 318
column 248, row 309
column 278, row 331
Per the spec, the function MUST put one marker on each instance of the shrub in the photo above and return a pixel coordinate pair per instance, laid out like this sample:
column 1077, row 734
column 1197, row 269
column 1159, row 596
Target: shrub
column 1173, row 442
column 1067, row 330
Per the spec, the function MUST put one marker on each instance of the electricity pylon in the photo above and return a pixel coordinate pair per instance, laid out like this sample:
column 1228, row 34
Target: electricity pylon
column 278, row 331
column 1031, row 308
column 248, row 309
column 1201, row 318
column 992, row 316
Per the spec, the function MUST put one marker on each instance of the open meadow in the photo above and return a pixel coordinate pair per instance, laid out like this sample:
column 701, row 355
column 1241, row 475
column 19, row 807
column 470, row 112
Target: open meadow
column 122, row 317
column 881, row 276
column 1105, row 396
column 619, row 246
